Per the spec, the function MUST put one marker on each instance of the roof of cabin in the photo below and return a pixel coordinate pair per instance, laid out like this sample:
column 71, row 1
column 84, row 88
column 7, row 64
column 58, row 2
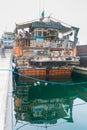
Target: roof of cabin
column 46, row 23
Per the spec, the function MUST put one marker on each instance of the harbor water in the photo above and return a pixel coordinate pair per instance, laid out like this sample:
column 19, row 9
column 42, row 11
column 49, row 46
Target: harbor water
column 48, row 106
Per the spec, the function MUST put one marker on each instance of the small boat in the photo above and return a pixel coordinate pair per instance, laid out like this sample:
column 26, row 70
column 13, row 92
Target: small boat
column 45, row 47
column 80, row 70
column 81, row 51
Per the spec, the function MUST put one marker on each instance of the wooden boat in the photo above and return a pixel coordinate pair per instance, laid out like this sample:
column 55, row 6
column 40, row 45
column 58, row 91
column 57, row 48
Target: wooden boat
column 47, row 49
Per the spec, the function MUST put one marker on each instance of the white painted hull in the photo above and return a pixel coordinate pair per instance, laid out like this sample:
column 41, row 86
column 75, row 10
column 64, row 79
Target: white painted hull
column 80, row 70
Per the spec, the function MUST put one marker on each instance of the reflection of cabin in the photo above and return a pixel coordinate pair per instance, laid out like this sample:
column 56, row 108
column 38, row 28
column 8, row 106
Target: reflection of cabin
column 42, row 111
column 36, row 104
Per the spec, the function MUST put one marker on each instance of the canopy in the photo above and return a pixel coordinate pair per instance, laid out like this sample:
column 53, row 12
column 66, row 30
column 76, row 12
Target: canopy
column 45, row 24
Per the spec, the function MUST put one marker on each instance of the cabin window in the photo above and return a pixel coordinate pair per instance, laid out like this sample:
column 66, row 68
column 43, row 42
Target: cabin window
column 39, row 33
column 44, row 33
column 52, row 33
column 33, row 34
column 36, row 33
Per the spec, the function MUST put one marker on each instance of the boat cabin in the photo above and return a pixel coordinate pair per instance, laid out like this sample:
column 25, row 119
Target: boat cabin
column 47, row 34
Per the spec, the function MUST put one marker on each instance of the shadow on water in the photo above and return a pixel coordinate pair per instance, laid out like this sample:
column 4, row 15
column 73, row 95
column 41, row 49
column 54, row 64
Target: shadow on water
column 44, row 105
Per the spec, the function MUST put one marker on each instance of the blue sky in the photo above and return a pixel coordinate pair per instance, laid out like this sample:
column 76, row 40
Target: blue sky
column 72, row 12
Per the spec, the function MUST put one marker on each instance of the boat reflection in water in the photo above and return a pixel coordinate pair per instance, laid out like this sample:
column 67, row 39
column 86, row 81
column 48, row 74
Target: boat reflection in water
column 43, row 105
column 50, row 106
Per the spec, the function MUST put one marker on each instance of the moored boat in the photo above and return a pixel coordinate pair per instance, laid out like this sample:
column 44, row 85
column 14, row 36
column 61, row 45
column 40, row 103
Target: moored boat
column 80, row 70
column 81, row 51
column 48, row 48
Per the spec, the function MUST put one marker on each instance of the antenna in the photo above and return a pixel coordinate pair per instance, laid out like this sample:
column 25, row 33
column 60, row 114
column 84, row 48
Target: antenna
column 43, row 4
column 39, row 7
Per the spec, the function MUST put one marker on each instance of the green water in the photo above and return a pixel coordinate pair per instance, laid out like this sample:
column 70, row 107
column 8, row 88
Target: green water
column 51, row 106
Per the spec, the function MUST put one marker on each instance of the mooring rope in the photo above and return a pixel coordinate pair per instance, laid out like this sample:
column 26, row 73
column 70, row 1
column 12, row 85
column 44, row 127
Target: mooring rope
column 45, row 81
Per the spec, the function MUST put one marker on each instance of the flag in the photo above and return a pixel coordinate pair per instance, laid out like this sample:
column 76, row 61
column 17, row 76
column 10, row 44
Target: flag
column 42, row 14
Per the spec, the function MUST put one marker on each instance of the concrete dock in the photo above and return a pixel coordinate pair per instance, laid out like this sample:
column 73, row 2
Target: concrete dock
column 5, row 91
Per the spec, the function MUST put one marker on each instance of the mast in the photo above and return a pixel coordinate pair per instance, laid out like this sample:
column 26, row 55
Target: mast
column 41, row 8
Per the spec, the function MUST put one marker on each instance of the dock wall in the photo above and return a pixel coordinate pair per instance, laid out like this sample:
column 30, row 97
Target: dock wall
column 5, row 92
